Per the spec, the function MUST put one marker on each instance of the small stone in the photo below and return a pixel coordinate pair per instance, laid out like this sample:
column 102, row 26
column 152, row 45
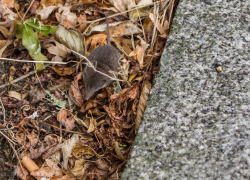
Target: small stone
column 219, row 69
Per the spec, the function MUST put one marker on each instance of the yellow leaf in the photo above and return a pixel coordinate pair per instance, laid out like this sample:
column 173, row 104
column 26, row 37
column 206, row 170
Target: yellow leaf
column 132, row 77
column 139, row 53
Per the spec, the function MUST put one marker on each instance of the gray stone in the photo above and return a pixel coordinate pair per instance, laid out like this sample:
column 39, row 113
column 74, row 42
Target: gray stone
column 197, row 121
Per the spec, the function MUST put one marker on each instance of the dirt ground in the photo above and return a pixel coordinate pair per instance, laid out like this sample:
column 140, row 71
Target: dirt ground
column 6, row 153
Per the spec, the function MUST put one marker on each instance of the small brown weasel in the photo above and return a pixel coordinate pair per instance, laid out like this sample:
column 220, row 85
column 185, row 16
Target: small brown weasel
column 104, row 58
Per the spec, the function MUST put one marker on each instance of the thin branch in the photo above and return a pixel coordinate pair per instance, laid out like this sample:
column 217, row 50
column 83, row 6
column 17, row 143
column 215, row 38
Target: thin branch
column 31, row 61
column 28, row 9
column 21, row 78
column 97, row 20
column 61, row 129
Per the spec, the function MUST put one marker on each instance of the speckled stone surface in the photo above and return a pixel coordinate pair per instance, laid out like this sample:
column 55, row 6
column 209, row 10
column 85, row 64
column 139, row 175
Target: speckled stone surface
column 197, row 121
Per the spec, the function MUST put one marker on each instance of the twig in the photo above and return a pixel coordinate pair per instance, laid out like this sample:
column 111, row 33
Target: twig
column 30, row 61
column 62, row 129
column 7, row 137
column 143, row 31
column 133, row 9
column 21, row 78
column 17, row 157
column 154, row 31
column 28, row 9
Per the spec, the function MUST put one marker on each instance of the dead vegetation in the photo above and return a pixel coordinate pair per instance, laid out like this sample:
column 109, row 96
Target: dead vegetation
column 53, row 131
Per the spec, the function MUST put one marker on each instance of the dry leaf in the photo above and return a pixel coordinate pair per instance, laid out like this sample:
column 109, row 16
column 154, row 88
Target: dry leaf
column 103, row 27
column 44, row 13
column 83, row 152
column 160, row 28
column 123, row 45
column 71, row 38
column 123, row 5
column 94, row 40
column 81, row 19
column 67, row 148
column 5, row 13
column 64, row 71
column 132, row 77
column 67, row 16
column 9, row 3
column 66, row 118
column 144, row 45
column 91, row 125
column 50, row 171
column 59, row 50
column 22, row 173
column 74, row 91
column 80, row 168
column 139, row 53
column 118, row 152
column 15, row 94
column 33, row 138
column 125, row 66
column 48, row 3
column 36, row 94
column 140, row 11
column 142, row 103
column 125, row 28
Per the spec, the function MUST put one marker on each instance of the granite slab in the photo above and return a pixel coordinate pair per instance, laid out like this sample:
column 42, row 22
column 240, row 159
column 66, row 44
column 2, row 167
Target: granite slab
column 197, row 121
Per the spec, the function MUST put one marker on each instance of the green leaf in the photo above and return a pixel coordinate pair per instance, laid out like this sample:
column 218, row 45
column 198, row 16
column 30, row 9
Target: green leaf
column 30, row 40
column 42, row 29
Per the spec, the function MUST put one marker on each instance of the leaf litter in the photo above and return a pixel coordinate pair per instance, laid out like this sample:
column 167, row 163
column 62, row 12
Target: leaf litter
column 53, row 131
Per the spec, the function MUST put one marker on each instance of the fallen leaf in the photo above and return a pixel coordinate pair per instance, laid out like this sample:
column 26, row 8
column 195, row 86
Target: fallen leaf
column 48, row 3
column 33, row 138
column 22, row 173
column 80, row 169
column 15, row 94
column 102, row 165
column 132, row 77
column 63, row 71
column 9, row 3
column 144, row 45
column 91, row 125
column 93, row 41
column 67, row 15
column 123, row 5
column 160, row 28
column 5, row 13
column 34, row 7
column 74, row 91
column 66, row 118
column 123, row 45
column 50, row 171
column 142, row 103
column 140, row 11
column 139, row 53
column 71, row 38
column 44, row 13
column 81, row 19
column 59, row 50
column 36, row 94
column 125, row 28
column 83, row 152
column 67, row 148
column 125, row 66
column 118, row 151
